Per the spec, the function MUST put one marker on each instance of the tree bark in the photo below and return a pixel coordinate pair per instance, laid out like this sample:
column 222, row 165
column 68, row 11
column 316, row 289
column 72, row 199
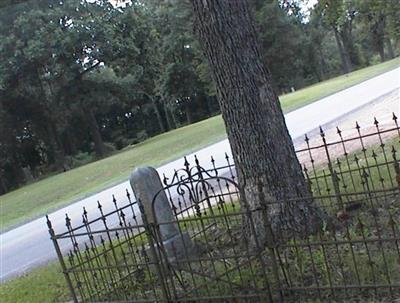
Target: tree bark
column 268, row 170
column 99, row 147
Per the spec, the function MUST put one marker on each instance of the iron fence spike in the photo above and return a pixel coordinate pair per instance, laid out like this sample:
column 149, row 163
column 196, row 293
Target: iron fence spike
column 186, row 163
column 49, row 225
column 321, row 131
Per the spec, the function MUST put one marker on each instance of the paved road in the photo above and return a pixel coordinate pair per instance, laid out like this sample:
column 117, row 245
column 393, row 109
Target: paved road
column 28, row 246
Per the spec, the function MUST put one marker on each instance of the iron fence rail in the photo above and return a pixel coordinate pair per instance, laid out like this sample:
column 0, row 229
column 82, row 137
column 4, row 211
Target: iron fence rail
column 118, row 256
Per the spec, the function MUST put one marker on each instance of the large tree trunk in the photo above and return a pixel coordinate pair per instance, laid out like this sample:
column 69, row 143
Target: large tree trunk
column 268, row 170
column 95, row 133
column 344, row 56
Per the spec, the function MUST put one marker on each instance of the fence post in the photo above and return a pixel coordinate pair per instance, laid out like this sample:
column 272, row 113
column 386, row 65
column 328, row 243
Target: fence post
column 396, row 165
column 335, row 178
column 61, row 259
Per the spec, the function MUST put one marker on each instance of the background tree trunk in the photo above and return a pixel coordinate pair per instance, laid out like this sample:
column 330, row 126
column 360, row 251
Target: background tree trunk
column 379, row 37
column 3, row 186
column 267, row 166
column 381, row 50
column 188, row 112
column 168, row 118
column 95, row 133
column 56, row 144
column 344, row 57
column 69, row 143
column 389, row 45
column 158, row 115
column 18, row 173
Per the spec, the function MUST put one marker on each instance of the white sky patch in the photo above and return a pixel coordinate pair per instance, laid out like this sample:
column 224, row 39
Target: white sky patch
column 311, row 3
column 308, row 4
column 120, row 3
column 306, row 7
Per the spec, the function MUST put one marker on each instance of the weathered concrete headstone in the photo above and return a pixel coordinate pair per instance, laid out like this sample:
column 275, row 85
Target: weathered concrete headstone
column 147, row 186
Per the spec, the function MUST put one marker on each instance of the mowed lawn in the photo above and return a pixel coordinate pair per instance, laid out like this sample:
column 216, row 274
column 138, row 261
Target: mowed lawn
column 51, row 193
column 45, row 285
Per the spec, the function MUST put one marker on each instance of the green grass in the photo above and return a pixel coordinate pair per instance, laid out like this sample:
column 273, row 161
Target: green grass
column 53, row 192
column 43, row 285
column 351, row 174
column 317, row 91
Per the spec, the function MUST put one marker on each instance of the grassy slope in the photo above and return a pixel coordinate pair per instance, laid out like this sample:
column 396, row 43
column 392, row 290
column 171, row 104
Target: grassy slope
column 53, row 192
column 42, row 285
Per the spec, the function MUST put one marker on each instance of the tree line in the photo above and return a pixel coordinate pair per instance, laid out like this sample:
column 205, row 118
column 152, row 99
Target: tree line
column 81, row 79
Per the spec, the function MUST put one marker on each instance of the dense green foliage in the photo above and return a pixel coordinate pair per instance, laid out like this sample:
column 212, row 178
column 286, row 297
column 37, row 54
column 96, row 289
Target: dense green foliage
column 79, row 79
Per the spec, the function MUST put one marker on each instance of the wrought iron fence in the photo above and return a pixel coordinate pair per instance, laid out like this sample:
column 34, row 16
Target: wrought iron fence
column 119, row 256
